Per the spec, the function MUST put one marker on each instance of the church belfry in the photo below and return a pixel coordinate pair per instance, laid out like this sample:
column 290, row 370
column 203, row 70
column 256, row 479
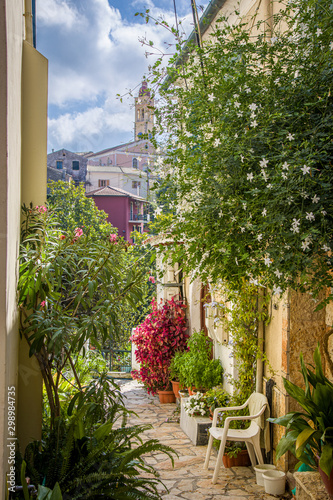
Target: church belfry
column 144, row 115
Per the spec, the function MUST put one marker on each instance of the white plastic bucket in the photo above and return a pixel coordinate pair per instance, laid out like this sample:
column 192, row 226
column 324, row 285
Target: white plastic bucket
column 260, row 469
column 274, row 482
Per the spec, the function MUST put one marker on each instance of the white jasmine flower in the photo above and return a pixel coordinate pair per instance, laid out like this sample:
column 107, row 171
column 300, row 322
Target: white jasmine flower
column 236, row 136
column 242, row 229
column 305, row 245
column 211, row 97
column 242, row 158
column 158, row 211
column 259, row 237
column 326, row 248
column 331, row 46
column 278, row 273
column 244, row 206
column 295, row 226
column 277, row 290
column 305, row 169
column 217, row 142
column 187, row 133
column 304, row 194
column 208, row 136
column 268, row 261
column 240, row 114
column 250, row 176
column 254, row 282
column 254, row 124
column 274, row 39
column 277, row 81
column 323, row 212
column 269, row 186
column 315, row 199
column 264, row 174
column 264, row 212
column 253, row 106
column 253, row 115
column 310, row 216
column 263, row 163
column 236, row 96
column 319, row 32
column 220, row 213
column 285, row 166
column 247, row 90
column 237, row 104
column 290, row 137
column 284, row 176
column 233, row 219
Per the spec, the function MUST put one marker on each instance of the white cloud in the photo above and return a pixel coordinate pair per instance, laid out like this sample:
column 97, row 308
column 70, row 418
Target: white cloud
column 94, row 53
column 57, row 12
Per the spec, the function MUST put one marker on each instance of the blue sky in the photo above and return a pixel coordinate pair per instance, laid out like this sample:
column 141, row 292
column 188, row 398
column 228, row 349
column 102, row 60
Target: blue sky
column 94, row 54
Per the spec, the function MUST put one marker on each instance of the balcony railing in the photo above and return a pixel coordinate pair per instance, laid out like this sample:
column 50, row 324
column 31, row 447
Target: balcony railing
column 139, row 217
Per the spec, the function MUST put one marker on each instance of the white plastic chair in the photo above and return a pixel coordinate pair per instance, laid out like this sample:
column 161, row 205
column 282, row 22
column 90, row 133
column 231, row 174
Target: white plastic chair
column 257, row 404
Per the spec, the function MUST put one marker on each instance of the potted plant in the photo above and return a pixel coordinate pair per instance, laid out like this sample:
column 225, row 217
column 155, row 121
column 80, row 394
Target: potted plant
column 196, row 405
column 176, row 374
column 309, row 433
column 236, row 455
column 216, row 398
column 195, row 367
column 157, row 339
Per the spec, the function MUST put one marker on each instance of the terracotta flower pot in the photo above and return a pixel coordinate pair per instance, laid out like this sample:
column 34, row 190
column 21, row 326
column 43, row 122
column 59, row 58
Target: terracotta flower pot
column 166, row 397
column 328, row 481
column 242, row 460
column 175, row 388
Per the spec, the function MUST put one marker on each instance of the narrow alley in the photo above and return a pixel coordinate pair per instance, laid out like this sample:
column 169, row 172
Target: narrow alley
column 187, row 480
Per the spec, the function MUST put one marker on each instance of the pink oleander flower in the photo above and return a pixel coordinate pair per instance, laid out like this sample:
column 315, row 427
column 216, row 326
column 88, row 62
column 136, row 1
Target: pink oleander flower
column 113, row 238
column 78, row 232
column 151, row 279
column 43, row 303
column 41, row 209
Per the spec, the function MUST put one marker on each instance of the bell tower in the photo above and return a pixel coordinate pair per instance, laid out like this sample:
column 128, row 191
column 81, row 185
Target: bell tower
column 144, row 112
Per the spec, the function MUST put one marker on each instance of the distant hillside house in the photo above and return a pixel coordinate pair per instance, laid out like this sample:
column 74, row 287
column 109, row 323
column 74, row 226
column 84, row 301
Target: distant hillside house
column 126, row 211
column 63, row 165
column 127, row 167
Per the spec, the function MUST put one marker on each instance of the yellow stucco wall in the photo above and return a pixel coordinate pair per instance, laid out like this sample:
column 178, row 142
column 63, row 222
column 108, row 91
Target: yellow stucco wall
column 33, row 189
column 23, row 114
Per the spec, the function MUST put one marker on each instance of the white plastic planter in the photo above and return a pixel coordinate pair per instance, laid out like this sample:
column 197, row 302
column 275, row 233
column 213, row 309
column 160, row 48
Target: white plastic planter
column 260, row 470
column 274, row 482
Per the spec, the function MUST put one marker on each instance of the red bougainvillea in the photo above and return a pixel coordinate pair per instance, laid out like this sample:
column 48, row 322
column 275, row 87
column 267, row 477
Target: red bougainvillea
column 162, row 333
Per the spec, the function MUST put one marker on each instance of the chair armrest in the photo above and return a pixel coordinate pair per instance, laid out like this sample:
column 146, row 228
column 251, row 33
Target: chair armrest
column 240, row 417
column 224, row 409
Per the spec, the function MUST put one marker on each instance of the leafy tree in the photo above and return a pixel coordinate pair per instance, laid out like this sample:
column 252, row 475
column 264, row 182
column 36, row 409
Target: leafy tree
column 249, row 155
column 71, row 288
column 74, row 209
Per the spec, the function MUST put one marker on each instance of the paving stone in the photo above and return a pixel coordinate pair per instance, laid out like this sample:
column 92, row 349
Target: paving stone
column 188, row 480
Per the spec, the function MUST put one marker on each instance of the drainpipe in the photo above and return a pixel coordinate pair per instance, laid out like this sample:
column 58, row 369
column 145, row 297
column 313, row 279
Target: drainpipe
column 261, row 344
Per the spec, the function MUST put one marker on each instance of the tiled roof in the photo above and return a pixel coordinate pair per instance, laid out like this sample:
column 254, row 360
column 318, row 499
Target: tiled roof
column 112, row 191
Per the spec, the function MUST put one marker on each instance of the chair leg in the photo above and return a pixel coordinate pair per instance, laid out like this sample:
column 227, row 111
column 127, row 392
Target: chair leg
column 209, row 450
column 250, row 450
column 257, row 449
column 219, row 461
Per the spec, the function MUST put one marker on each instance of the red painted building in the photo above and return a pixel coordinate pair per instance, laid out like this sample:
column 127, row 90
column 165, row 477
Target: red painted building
column 126, row 211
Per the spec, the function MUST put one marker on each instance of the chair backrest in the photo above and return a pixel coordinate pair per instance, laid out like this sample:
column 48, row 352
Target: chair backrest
column 256, row 402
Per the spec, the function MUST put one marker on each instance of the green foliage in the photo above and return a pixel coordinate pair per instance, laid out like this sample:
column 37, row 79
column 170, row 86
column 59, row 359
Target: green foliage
column 243, row 310
column 195, row 366
column 309, row 433
column 249, row 156
column 71, row 288
column 93, row 452
column 74, row 209
column 217, row 398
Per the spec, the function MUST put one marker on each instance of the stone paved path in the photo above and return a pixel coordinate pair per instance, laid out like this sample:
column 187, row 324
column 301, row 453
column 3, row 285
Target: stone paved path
column 187, row 480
